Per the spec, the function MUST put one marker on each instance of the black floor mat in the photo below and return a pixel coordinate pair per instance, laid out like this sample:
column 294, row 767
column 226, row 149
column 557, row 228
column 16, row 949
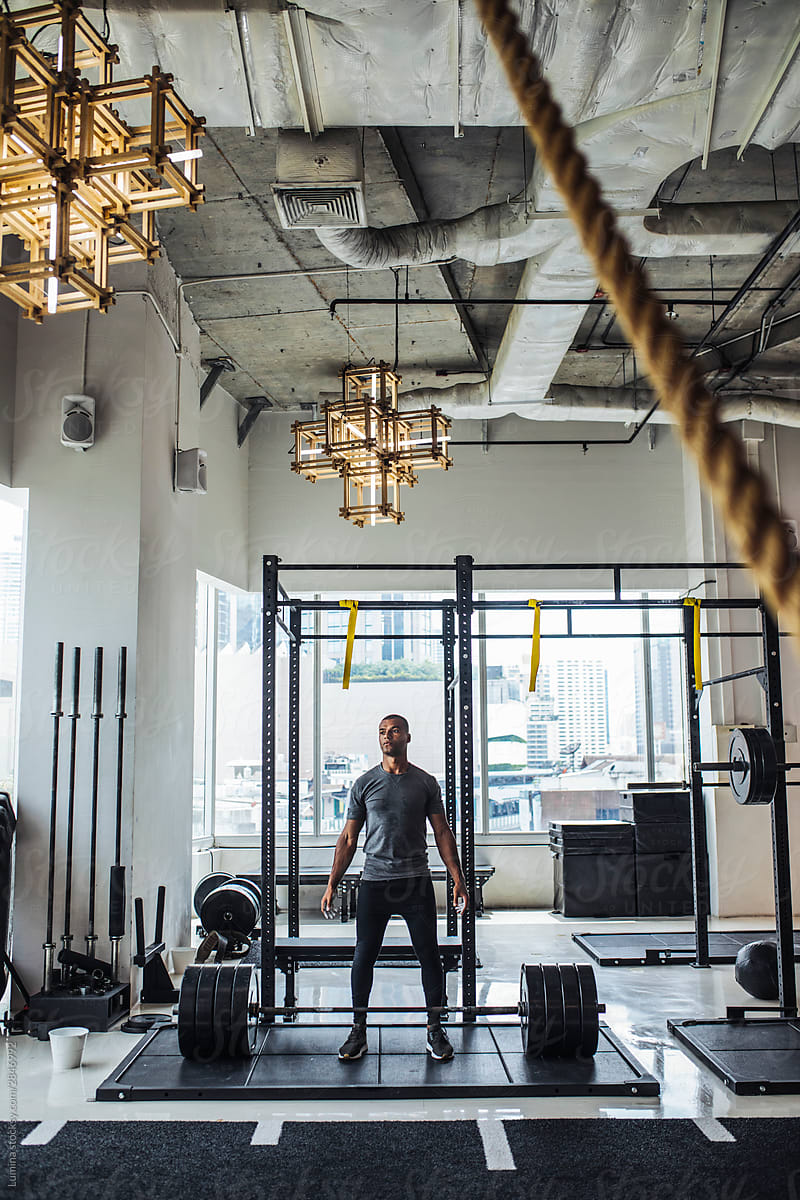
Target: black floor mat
column 426, row 1160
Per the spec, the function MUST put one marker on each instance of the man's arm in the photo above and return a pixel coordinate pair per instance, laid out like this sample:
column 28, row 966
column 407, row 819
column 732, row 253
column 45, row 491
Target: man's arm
column 342, row 857
column 446, row 845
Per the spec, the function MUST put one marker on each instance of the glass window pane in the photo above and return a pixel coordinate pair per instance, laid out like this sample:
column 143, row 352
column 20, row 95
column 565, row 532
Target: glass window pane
column 565, row 751
column 200, row 709
column 397, row 668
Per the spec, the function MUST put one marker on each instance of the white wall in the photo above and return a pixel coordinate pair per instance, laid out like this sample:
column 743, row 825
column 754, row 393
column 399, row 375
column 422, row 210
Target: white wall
column 112, row 555
column 8, row 371
column 526, row 504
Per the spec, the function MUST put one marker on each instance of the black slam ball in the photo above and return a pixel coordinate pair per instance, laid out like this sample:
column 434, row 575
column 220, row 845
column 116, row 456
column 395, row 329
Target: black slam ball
column 757, row 970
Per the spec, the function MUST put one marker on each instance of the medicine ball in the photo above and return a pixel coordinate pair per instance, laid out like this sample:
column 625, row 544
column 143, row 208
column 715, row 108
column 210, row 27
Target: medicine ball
column 757, row 970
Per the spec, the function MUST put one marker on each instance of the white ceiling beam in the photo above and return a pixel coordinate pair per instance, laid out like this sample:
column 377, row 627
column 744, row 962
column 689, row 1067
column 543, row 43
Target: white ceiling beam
column 712, row 95
column 771, row 89
column 305, row 75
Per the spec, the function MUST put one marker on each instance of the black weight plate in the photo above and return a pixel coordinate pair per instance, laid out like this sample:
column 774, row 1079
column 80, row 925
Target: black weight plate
column 204, row 1014
column 769, row 760
column 532, row 1012
column 207, row 885
column 252, row 887
column 186, row 1010
column 554, row 1010
column 760, row 791
column 244, row 1025
column 739, row 755
column 590, row 1018
column 222, row 1011
column 571, row 994
column 230, row 908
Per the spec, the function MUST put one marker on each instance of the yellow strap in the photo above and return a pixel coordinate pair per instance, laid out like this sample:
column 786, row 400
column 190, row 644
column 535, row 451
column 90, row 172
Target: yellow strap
column 351, row 635
column 534, row 604
column 698, row 666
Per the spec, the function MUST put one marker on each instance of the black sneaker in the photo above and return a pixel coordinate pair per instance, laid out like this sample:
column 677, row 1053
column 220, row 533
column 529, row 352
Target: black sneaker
column 438, row 1045
column 356, row 1044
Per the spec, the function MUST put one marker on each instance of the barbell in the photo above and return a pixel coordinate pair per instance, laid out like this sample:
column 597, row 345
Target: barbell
column 752, row 764
column 219, row 1011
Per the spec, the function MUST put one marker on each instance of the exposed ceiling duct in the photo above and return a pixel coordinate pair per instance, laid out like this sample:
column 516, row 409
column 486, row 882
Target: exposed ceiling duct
column 566, row 403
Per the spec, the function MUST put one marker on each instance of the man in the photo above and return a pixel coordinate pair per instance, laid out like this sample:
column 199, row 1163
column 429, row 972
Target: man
column 395, row 799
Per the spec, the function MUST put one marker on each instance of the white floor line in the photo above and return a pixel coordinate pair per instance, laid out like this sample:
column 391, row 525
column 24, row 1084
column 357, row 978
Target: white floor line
column 267, row 1133
column 714, row 1130
column 44, row 1132
column 495, row 1146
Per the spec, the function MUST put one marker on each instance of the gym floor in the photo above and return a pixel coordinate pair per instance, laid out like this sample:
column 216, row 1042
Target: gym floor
column 638, row 1002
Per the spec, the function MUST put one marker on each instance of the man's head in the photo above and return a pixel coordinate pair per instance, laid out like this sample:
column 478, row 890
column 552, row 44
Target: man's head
column 394, row 735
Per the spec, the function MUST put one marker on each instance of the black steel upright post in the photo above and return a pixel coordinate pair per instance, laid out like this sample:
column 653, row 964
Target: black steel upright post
column 449, row 642
column 268, row 643
column 464, row 609
column 697, row 809
column 295, row 622
column 781, row 863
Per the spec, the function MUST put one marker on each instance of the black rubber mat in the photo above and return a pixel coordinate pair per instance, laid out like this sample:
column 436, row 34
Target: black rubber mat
column 660, row 949
column 752, row 1058
column 301, row 1062
column 413, row 1160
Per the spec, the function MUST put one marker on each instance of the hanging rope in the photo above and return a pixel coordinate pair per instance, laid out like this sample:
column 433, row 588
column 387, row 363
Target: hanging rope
column 739, row 492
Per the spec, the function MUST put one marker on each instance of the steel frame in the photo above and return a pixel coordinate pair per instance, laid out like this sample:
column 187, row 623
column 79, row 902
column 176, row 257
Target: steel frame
column 457, row 640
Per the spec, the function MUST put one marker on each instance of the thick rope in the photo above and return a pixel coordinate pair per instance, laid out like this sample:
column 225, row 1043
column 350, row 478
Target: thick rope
column 740, row 493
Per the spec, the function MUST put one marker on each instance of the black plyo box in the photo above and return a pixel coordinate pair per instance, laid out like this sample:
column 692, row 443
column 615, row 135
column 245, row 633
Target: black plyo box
column 643, row 807
column 662, row 837
column 664, row 885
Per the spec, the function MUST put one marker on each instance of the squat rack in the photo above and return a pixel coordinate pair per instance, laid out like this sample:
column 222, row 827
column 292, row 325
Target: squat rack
column 457, row 637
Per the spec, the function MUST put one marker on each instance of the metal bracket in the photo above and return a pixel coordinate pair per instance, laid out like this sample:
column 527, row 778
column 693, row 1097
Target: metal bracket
column 215, row 368
column 255, row 405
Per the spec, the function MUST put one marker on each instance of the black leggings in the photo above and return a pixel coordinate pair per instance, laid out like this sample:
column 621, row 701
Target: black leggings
column 412, row 899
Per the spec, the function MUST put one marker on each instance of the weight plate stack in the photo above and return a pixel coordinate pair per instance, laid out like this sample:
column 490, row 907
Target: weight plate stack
column 207, row 885
column 531, row 1008
column 590, row 1016
column 230, row 908
column 754, row 749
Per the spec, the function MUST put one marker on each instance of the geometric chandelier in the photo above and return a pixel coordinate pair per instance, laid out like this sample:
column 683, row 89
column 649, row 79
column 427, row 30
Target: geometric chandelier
column 79, row 186
column 370, row 445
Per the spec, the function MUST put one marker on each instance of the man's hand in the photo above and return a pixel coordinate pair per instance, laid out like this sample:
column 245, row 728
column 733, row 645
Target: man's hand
column 460, row 898
column 327, row 902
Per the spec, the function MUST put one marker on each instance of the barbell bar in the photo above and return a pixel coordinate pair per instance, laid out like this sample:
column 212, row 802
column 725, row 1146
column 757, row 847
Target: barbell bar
column 219, row 1011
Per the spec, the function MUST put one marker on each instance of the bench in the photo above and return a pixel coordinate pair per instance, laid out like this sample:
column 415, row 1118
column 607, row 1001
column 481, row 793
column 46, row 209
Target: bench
column 292, row 953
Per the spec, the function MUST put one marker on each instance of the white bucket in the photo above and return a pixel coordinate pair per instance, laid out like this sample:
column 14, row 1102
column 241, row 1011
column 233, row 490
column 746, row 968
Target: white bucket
column 66, row 1046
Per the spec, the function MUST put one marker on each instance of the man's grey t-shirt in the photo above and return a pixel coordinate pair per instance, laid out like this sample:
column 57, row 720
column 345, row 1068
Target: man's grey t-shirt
column 395, row 809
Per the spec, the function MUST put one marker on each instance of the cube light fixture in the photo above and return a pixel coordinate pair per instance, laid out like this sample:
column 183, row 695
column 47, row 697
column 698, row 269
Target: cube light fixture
column 374, row 448
column 79, row 185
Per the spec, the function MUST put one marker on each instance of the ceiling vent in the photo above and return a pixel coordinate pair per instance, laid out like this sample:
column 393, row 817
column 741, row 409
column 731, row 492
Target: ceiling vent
column 321, row 183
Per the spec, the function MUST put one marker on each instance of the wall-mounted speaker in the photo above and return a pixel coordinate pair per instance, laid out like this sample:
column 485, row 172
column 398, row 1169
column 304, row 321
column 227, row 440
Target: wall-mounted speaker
column 190, row 471
column 77, row 422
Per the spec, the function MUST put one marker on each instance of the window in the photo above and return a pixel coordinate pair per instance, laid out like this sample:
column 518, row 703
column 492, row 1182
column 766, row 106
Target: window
column 12, row 524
